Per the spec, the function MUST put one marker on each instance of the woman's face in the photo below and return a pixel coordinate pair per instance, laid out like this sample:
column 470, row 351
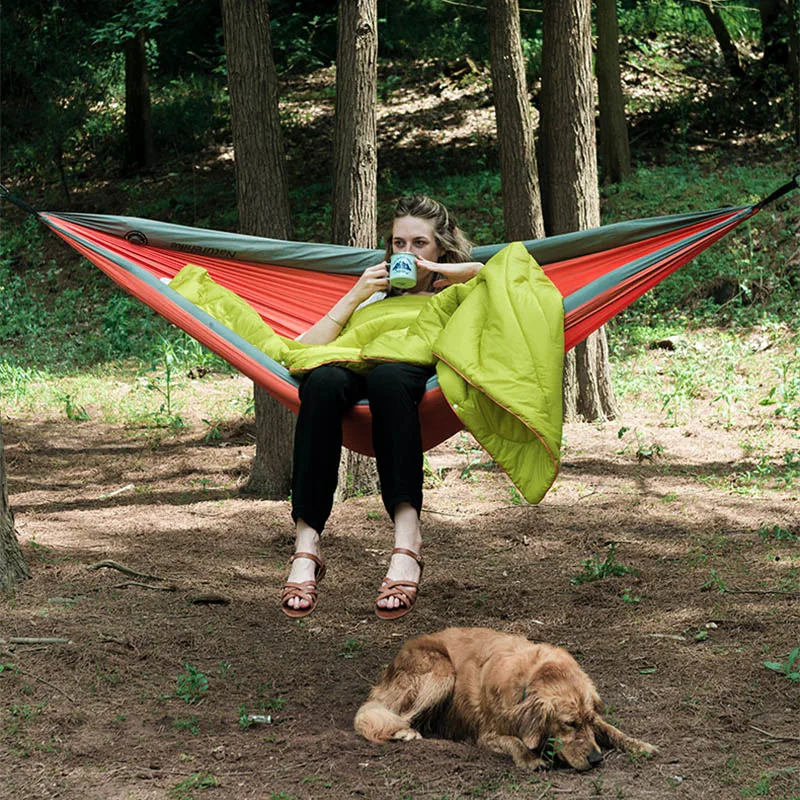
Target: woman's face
column 415, row 235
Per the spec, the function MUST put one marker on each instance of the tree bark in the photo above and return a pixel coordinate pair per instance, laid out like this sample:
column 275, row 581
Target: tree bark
column 262, row 198
column 775, row 30
column 729, row 52
column 355, row 173
column 13, row 568
column 139, row 147
column 568, row 174
column 794, row 65
column 522, row 204
column 615, row 155
column 355, row 145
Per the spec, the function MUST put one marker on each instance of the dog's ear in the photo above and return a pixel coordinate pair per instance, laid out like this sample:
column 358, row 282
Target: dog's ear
column 536, row 696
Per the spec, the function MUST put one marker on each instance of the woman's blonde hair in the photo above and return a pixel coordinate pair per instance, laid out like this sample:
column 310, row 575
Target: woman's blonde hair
column 449, row 237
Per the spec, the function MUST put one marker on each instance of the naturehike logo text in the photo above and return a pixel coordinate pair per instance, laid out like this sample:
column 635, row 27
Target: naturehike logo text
column 203, row 251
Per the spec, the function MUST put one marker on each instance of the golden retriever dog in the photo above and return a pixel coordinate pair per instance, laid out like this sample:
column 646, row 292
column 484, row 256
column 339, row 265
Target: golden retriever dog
column 506, row 693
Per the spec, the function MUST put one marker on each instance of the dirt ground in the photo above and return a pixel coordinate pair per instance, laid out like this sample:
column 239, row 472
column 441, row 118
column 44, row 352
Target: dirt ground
column 149, row 695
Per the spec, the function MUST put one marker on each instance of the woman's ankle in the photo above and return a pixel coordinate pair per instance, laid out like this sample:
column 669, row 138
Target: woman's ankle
column 407, row 534
column 306, row 539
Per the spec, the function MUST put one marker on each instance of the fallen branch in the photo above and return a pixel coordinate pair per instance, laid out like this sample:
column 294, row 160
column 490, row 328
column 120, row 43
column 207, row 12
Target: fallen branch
column 144, row 586
column 123, row 569
column 651, row 71
column 774, row 737
column 209, row 599
column 38, row 640
column 42, row 680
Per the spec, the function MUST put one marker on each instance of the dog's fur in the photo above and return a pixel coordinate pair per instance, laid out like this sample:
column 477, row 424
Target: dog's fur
column 508, row 694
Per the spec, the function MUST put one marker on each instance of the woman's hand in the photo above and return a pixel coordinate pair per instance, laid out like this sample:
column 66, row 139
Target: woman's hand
column 373, row 279
column 452, row 273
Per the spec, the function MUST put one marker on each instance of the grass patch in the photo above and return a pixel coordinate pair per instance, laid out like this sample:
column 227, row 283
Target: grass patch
column 597, row 569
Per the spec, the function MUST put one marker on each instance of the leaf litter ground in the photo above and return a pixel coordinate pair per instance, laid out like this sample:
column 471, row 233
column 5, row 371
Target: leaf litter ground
column 705, row 527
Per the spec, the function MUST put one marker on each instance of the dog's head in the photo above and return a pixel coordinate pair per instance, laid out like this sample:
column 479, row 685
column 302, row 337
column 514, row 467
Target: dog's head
column 545, row 698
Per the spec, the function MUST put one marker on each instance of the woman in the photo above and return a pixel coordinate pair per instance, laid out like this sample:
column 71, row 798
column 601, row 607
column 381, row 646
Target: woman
column 424, row 228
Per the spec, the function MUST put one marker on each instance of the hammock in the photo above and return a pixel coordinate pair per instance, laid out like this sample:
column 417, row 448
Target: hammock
column 292, row 284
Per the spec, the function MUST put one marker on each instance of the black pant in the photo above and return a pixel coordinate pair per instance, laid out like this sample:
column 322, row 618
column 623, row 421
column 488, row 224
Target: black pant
column 394, row 391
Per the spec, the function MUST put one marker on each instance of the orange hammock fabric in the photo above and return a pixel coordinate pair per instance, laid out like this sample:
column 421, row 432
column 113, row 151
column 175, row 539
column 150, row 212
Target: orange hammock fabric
column 292, row 284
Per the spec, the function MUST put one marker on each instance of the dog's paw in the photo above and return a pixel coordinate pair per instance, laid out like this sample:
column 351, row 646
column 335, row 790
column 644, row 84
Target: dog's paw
column 527, row 760
column 640, row 748
column 406, row 735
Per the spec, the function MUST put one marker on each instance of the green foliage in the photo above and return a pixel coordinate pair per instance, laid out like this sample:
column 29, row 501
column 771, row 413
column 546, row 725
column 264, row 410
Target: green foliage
column 715, row 582
column 146, row 15
column 595, row 569
column 269, row 701
column 302, row 39
column 629, row 597
column 161, row 382
column 200, row 780
column 434, row 476
column 16, row 381
column 352, row 648
column 63, row 113
column 190, row 113
column 190, row 724
column 56, row 317
column 677, row 17
column 516, row 498
column 73, row 411
column 746, row 278
column 784, row 396
column 48, row 80
column 647, row 449
column 769, row 470
column 777, row 532
column 191, row 684
column 787, row 668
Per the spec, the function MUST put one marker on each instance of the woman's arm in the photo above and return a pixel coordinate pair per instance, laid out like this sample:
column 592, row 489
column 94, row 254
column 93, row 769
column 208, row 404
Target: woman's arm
column 453, row 273
column 373, row 279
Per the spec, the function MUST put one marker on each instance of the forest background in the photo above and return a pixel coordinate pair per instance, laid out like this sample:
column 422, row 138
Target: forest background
column 712, row 121
column 701, row 137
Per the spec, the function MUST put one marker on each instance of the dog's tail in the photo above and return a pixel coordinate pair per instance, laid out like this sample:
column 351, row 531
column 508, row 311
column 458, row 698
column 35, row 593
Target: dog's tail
column 376, row 722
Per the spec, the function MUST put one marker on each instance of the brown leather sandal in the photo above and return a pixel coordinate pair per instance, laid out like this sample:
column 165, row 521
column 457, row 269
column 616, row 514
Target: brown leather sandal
column 405, row 591
column 307, row 590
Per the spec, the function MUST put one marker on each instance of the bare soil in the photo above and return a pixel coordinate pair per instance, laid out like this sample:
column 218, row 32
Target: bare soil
column 677, row 647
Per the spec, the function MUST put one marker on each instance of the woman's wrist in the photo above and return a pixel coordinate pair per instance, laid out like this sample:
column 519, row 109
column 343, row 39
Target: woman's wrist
column 343, row 310
column 335, row 321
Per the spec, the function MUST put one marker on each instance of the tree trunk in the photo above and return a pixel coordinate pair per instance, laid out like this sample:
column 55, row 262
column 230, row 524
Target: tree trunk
column 522, row 205
column 355, row 172
column 568, row 174
column 729, row 52
column 139, row 148
column 615, row 156
column 355, row 145
column 794, row 66
column 13, row 568
column 262, row 198
column 775, row 28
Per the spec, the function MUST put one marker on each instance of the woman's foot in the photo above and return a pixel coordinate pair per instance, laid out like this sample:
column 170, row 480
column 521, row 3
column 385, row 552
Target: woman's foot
column 299, row 597
column 307, row 569
column 400, row 587
column 398, row 592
